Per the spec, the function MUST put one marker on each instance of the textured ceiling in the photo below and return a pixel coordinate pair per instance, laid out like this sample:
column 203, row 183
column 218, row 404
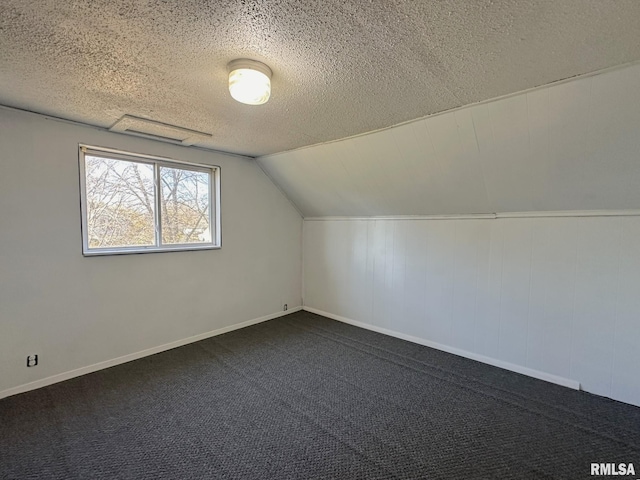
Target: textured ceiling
column 569, row 146
column 341, row 67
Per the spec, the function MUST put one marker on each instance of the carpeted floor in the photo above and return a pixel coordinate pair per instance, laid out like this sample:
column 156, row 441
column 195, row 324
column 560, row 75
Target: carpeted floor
column 305, row 397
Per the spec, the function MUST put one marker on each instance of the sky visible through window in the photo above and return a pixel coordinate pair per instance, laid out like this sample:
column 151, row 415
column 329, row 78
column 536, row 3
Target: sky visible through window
column 121, row 204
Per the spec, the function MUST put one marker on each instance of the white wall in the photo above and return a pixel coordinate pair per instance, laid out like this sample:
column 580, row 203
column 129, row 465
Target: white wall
column 555, row 295
column 567, row 146
column 75, row 311
column 558, row 296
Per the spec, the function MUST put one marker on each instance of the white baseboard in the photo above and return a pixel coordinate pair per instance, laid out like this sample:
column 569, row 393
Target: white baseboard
column 134, row 356
column 565, row 382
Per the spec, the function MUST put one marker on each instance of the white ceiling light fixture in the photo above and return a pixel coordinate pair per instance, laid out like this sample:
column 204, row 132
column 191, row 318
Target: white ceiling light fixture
column 249, row 81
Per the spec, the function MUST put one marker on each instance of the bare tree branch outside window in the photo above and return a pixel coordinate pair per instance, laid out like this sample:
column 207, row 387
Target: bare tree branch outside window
column 185, row 206
column 121, row 203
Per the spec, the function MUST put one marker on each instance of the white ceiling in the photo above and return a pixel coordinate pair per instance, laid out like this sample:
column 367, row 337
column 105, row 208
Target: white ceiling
column 341, row 67
column 568, row 146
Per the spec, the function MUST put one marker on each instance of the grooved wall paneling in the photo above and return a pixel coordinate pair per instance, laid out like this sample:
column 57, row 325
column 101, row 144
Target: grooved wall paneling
column 556, row 295
column 568, row 146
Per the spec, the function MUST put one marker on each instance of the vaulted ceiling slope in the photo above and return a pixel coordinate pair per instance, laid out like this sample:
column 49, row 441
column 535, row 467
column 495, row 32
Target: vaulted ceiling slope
column 569, row 146
column 341, row 67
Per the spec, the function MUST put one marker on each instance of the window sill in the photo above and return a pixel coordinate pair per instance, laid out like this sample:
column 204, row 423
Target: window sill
column 136, row 250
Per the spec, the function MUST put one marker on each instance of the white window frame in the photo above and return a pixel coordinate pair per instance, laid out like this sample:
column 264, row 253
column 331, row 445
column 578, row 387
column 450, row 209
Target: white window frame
column 157, row 162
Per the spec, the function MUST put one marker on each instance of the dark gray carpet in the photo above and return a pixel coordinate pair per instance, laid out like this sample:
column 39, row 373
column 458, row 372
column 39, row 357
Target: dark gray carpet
column 305, row 397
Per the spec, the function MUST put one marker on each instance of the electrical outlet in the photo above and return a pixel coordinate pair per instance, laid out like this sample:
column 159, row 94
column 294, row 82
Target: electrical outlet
column 32, row 360
column 286, row 307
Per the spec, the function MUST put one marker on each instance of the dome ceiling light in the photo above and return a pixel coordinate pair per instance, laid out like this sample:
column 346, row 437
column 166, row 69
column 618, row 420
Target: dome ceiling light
column 249, row 81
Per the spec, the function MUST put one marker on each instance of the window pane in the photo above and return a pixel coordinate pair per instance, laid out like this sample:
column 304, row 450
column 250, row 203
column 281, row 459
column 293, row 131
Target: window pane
column 120, row 203
column 185, row 206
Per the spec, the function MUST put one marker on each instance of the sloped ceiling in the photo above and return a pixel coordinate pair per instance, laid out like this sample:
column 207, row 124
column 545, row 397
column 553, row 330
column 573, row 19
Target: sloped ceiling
column 341, row 67
column 569, row 146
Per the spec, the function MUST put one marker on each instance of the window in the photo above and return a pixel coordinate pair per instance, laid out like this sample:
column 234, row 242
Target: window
column 134, row 203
